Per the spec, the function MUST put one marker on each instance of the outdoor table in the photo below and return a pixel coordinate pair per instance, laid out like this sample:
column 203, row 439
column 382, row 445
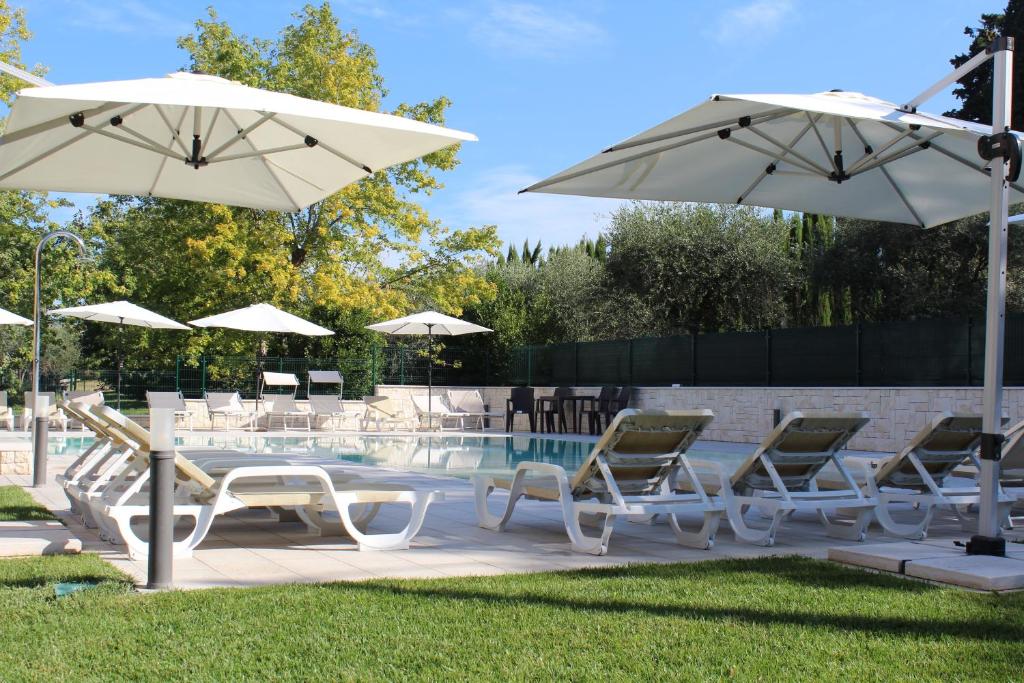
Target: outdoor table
column 577, row 402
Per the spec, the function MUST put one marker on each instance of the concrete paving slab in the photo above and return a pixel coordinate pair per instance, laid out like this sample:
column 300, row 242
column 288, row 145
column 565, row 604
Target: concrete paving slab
column 34, row 538
column 889, row 557
column 982, row 572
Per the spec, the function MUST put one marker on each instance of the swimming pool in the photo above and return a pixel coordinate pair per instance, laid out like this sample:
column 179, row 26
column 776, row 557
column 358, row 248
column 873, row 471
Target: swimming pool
column 459, row 456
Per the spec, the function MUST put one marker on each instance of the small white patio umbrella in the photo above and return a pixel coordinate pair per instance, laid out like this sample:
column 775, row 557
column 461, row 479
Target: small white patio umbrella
column 428, row 323
column 262, row 318
column 120, row 313
column 844, row 154
column 202, row 138
column 8, row 318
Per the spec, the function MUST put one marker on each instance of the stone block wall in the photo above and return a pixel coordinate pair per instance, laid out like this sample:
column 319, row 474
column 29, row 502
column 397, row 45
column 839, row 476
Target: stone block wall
column 15, row 457
column 744, row 414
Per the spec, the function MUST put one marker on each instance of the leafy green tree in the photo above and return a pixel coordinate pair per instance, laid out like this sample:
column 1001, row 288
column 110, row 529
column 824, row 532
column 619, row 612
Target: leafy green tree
column 370, row 251
column 975, row 89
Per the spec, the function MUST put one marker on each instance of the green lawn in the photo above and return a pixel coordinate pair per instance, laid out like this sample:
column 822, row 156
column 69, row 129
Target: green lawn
column 768, row 619
column 16, row 504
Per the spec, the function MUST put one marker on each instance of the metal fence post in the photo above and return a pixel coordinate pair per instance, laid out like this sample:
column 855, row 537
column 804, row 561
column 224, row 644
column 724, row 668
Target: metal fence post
column 401, row 367
column 970, row 350
column 629, row 361
column 858, row 332
column 202, row 374
column 693, row 358
column 529, row 365
column 767, row 358
column 177, row 373
column 575, row 364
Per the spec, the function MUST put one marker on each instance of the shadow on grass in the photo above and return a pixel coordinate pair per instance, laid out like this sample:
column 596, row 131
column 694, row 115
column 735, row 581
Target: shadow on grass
column 931, row 626
column 23, row 513
column 43, row 581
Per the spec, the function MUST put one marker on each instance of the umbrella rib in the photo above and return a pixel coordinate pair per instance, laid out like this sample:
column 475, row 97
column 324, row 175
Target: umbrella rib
column 821, row 140
column 875, row 153
column 156, row 146
column 618, row 162
column 773, row 155
column 128, row 141
column 163, row 162
column 888, row 176
column 792, row 151
column 55, row 123
column 270, row 162
column 175, row 131
column 209, row 132
column 242, row 134
column 769, row 115
column 248, row 155
column 266, row 162
column 338, row 153
column 919, row 146
column 768, row 169
column 42, row 155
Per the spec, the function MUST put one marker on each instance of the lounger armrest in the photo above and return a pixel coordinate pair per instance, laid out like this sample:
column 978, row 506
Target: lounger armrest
column 264, row 471
column 544, row 468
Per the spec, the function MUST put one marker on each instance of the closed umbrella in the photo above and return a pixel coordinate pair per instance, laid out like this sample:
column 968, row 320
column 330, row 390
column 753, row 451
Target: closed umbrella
column 8, row 318
column 428, row 323
column 120, row 313
column 844, row 154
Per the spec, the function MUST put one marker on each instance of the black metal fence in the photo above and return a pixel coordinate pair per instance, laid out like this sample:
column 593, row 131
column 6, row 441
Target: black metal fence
column 916, row 353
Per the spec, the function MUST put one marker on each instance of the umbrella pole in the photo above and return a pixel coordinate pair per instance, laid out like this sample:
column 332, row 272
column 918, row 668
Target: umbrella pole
column 430, row 378
column 988, row 541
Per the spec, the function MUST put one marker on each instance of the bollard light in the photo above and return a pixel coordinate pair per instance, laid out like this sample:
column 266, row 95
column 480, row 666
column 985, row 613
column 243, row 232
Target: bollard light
column 161, row 498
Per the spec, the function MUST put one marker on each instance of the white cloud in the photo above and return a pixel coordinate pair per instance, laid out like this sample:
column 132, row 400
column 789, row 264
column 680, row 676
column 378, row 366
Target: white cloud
column 754, row 20
column 126, row 16
column 528, row 30
column 553, row 219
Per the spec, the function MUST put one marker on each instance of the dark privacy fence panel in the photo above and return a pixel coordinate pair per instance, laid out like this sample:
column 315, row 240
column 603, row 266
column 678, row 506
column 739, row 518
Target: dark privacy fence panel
column 914, row 353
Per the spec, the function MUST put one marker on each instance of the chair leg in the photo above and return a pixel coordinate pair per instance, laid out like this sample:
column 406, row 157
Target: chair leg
column 533, row 423
column 703, row 538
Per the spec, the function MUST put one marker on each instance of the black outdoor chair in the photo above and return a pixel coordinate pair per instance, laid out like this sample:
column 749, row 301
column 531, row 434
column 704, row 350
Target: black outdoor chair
column 551, row 406
column 596, row 407
column 520, row 403
column 620, row 402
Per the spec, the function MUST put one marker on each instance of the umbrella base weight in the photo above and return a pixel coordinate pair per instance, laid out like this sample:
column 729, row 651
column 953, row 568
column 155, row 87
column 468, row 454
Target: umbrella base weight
column 987, row 545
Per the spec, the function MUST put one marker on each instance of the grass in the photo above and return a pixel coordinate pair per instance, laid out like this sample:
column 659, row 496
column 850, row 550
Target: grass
column 764, row 619
column 16, row 504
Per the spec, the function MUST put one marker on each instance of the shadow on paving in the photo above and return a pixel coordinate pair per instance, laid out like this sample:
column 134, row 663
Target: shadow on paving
column 994, row 629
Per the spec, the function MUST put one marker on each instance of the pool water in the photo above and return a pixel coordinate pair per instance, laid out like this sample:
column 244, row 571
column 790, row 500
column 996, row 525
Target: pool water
column 459, row 456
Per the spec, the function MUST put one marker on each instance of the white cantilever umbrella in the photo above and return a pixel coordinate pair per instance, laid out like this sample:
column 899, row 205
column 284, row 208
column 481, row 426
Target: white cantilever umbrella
column 843, row 154
column 197, row 137
column 8, row 318
column 262, row 318
column 120, row 313
column 428, row 323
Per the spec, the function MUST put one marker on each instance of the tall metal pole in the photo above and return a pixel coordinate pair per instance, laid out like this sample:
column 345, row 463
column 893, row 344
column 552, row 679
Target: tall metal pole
column 430, row 379
column 160, row 570
column 41, row 407
column 988, row 540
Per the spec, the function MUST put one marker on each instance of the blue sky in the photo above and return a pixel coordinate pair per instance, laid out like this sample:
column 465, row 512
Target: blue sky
column 545, row 84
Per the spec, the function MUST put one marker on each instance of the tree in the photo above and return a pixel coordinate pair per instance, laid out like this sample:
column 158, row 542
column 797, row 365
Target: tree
column 975, row 88
column 699, row 267
column 367, row 252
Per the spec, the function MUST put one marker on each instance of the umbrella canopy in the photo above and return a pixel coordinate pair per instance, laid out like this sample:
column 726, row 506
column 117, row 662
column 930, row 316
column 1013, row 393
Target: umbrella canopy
column 120, row 313
column 836, row 153
column 203, row 138
column 8, row 318
column 263, row 318
column 429, row 322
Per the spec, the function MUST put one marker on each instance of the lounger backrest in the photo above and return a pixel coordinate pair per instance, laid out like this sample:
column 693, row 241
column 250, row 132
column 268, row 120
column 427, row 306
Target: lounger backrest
column 166, row 400
column 30, row 402
column 466, row 401
column 224, row 401
column 640, row 449
column 390, row 407
column 325, row 405
column 942, row 445
column 1013, row 448
column 186, row 473
column 80, row 412
column 798, row 448
column 282, row 403
column 94, row 398
column 421, row 404
column 3, row 401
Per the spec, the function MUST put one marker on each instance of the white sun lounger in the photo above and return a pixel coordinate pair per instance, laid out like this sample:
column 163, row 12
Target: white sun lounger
column 383, row 411
column 6, row 412
column 228, row 406
column 54, row 413
column 437, row 410
column 308, row 490
column 917, row 475
column 626, row 474
column 778, row 478
column 171, row 400
column 471, row 405
column 329, row 410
